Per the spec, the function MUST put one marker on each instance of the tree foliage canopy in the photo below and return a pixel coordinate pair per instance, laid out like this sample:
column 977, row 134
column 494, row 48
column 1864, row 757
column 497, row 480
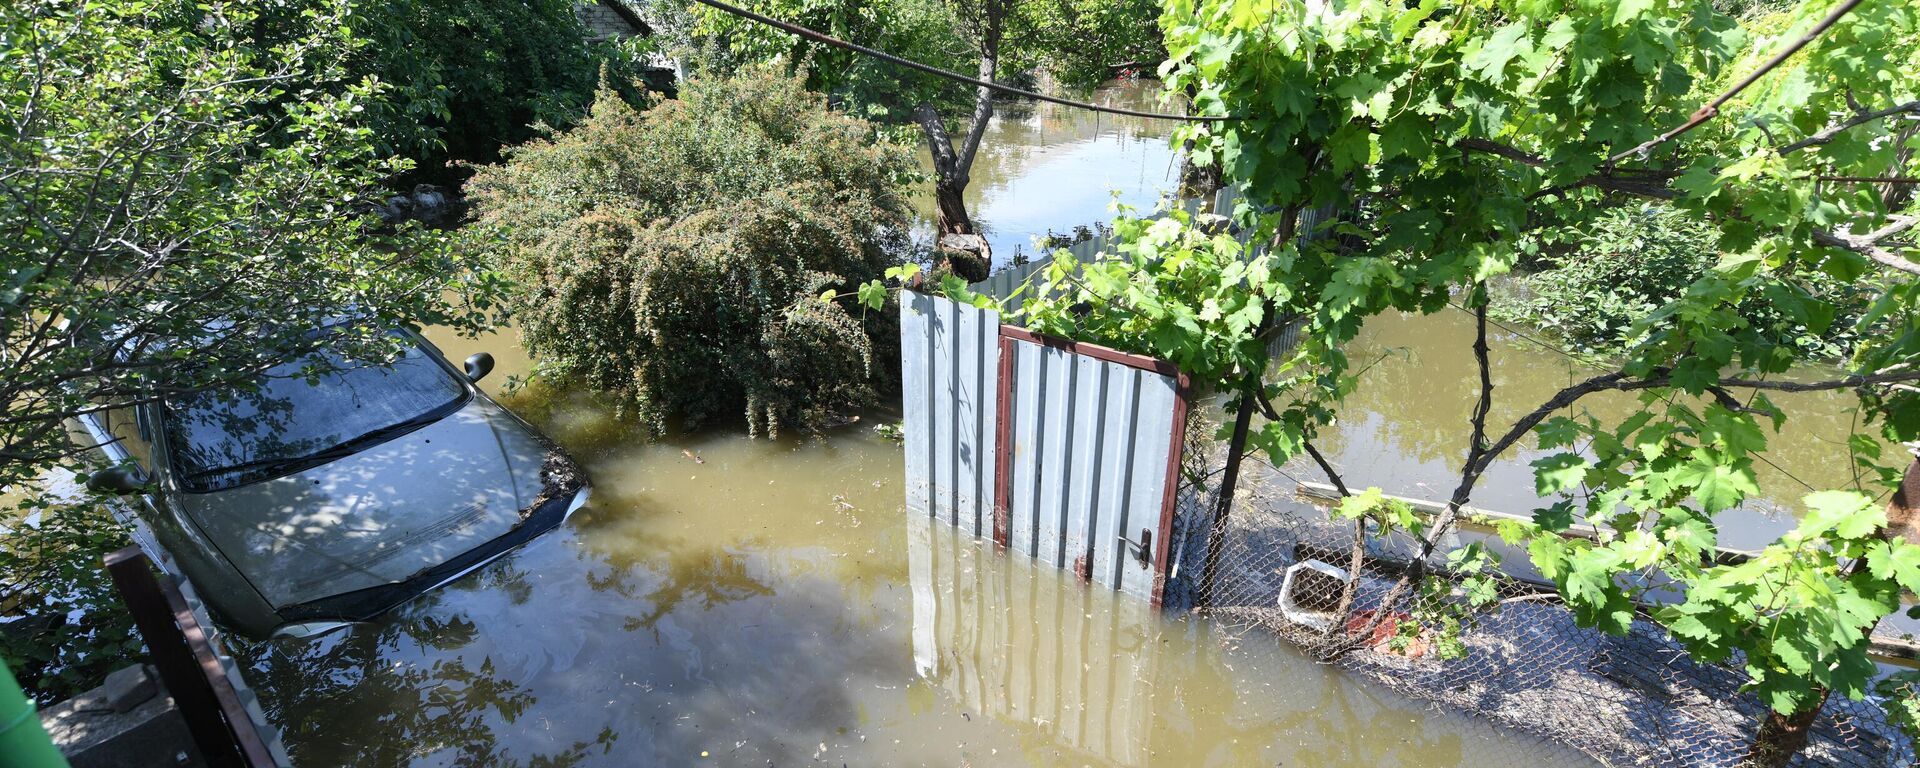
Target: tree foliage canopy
column 1078, row 40
column 460, row 78
column 1623, row 263
column 468, row 77
column 674, row 255
column 1443, row 134
column 181, row 211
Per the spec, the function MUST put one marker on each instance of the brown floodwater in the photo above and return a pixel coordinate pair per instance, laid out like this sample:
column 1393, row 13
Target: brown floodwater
column 769, row 602
column 730, row 601
column 1404, row 428
column 1048, row 168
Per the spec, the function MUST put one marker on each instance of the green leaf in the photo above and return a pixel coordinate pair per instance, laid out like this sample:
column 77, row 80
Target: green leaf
column 1558, row 473
column 1897, row 561
column 1556, row 517
column 1717, row 486
column 872, row 294
column 1361, row 504
column 1848, row 515
column 1628, row 10
column 1501, row 47
column 1737, row 432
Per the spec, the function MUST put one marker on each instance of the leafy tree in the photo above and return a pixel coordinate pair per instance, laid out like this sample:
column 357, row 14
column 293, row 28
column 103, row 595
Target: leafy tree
column 179, row 213
column 469, row 77
column 1454, row 129
column 992, row 40
column 461, row 78
column 673, row 255
column 1630, row 260
column 64, row 631
column 175, row 222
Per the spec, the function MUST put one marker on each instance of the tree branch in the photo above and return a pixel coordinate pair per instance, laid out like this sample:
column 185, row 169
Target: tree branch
column 1653, row 184
column 994, row 24
column 1831, row 132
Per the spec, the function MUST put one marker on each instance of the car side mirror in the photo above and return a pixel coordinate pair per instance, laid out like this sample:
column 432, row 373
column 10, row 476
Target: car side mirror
column 122, row 480
column 479, row 364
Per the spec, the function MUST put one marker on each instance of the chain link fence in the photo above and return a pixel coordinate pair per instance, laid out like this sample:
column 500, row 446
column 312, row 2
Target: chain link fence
column 1286, row 567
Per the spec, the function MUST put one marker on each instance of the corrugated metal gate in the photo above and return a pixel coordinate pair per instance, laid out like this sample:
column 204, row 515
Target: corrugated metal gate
column 1063, row 452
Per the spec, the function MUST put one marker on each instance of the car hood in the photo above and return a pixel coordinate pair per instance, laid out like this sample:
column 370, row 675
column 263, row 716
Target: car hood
column 381, row 515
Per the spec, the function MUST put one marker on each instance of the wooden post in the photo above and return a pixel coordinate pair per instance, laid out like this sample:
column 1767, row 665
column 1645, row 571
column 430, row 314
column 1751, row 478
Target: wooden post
column 183, row 654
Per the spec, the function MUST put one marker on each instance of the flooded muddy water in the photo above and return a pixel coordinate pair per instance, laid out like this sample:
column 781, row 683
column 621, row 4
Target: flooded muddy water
column 1044, row 167
column 1403, row 429
column 730, row 601
column 756, row 602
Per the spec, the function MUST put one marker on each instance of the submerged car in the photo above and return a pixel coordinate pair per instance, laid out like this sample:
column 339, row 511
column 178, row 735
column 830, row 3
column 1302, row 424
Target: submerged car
column 309, row 502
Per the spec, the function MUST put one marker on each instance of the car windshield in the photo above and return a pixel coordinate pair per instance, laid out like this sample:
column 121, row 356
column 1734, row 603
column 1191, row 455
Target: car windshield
column 225, row 438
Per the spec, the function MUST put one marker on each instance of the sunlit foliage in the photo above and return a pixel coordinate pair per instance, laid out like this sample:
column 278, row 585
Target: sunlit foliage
column 674, row 255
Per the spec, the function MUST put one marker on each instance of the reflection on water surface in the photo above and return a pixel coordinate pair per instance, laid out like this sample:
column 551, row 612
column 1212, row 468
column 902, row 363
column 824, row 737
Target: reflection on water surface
column 1403, row 428
column 770, row 604
column 1044, row 167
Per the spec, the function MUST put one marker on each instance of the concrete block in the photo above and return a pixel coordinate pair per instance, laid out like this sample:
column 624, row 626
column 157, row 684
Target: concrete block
column 124, row 723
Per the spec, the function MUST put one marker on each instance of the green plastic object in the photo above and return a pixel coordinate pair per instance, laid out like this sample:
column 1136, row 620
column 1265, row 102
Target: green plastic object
column 23, row 743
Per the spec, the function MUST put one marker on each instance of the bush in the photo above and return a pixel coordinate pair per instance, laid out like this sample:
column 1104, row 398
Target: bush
column 1628, row 262
column 676, row 256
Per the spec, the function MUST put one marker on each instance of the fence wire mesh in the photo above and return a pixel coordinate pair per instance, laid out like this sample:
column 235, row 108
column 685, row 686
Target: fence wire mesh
column 1523, row 663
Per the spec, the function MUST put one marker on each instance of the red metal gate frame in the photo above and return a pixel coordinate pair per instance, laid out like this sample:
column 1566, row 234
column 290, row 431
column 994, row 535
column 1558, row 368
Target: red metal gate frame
column 1003, row 437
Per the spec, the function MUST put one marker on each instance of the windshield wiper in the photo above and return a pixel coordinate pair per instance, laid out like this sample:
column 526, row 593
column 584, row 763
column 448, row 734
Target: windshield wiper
column 282, row 465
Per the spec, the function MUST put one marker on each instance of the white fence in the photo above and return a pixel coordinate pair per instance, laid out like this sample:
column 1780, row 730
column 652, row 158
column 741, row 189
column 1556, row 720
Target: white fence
column 1061, row 452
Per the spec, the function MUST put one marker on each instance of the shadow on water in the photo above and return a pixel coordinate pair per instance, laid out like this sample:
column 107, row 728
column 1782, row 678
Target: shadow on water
column 1403, row 427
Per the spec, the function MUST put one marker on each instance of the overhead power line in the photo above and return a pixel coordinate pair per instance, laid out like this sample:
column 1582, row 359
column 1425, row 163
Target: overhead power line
column 820, row 37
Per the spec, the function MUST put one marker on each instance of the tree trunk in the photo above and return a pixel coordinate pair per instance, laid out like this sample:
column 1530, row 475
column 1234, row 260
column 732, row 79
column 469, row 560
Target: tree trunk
column 1781, row 737
column 962, row 250
column 1903, row 510
column 950, row 174
column 951, row 206
column 1198, row 181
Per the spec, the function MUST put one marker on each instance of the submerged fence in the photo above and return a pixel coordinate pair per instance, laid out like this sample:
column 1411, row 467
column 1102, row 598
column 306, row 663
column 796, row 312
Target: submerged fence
column 1061, row 452
column 1052, row 452
column 1632, row 700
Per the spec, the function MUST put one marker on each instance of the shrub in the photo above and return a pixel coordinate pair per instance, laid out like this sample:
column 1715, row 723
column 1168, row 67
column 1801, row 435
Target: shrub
column 675, row 256
column 1627, row 262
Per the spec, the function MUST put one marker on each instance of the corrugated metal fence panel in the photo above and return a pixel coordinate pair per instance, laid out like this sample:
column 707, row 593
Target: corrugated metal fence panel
column 949, row 363
column 916, row 388
column 967, row 641
column 1090, row 447
column 1088, row 444
column 1003, row 283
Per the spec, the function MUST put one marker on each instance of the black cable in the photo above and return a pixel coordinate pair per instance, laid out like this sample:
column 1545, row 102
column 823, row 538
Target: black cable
column 938, row 72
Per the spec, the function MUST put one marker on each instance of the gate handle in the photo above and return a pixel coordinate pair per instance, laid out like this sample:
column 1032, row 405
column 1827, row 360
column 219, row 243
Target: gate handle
column 1143, row 549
